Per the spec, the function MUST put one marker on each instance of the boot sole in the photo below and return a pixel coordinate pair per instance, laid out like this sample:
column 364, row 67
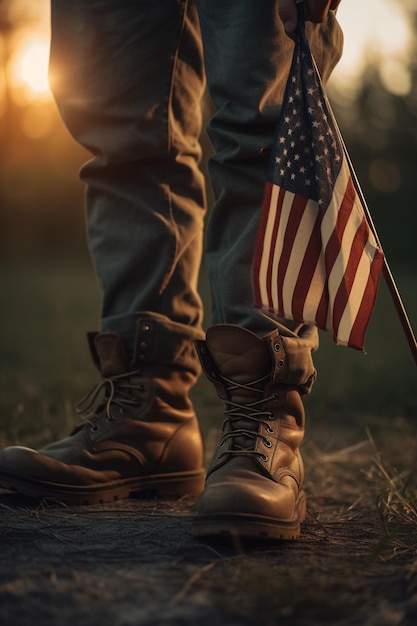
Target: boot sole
column 246, row 526
column 169, row 485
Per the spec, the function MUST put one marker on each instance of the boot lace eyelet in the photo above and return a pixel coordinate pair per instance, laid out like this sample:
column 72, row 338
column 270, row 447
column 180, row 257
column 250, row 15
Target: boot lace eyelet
column 263, row 457
column 267, row 443
column 95, row 428
column 269, row 429
column 109, row 419
column 271, row 416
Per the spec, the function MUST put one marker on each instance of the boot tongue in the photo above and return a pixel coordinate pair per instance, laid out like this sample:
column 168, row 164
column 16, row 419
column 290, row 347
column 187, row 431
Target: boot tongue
column 111, row 354
column 240, row 355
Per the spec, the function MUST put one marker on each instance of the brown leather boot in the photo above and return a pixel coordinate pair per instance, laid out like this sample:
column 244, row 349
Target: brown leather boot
column 142, row 437
column 253, row 487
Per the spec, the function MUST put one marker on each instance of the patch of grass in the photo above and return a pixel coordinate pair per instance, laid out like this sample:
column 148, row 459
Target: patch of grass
column 396, row 504
column 44, row 362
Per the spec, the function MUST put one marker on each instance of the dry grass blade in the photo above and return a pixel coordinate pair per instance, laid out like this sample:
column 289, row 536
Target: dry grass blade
column 195, row 578
column 395, row 504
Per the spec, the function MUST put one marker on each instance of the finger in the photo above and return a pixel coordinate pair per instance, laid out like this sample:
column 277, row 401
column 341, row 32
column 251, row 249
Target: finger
column 288, row 13
column 316, row 10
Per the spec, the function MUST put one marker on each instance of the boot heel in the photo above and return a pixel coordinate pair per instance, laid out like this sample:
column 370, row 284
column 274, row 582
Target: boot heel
column 302, row 506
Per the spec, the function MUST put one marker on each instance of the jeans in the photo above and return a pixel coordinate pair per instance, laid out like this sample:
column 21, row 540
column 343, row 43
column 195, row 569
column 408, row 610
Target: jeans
column 128, row 77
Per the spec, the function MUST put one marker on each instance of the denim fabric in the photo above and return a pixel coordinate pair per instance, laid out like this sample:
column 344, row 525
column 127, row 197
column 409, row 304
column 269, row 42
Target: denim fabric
column 128, row 77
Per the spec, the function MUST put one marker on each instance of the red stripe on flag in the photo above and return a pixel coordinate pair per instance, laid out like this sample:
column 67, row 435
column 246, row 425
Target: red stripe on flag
column 357, row 334
column 296, row 213
column 307, row 269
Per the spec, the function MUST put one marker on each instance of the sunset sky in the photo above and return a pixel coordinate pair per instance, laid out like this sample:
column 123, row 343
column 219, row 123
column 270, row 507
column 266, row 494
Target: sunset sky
column 373, row 29
column 40, row 149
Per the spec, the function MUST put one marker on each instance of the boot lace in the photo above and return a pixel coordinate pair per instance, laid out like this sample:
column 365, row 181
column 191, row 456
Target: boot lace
column 250, row 412
column 111, row 391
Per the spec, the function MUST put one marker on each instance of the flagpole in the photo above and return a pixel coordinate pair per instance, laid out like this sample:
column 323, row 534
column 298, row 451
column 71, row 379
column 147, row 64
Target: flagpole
column 400, row 309
column 389, row 279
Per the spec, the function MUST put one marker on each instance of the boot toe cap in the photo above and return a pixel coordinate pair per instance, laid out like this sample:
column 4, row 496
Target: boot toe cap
column 247, row 495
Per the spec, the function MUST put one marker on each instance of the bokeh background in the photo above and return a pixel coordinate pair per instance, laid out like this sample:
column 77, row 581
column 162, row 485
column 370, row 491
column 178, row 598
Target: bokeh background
column 49, row 295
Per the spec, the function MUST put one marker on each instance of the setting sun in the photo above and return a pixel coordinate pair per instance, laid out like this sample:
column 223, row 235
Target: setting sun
column 28, row 70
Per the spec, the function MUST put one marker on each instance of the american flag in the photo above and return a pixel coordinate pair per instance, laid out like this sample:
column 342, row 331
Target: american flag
column 316, row 260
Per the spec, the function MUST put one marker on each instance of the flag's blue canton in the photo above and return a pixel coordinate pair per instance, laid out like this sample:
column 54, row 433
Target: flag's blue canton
column 308, row 154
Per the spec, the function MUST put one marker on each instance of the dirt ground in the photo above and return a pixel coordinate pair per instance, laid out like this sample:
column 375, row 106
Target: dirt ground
column 135, row 563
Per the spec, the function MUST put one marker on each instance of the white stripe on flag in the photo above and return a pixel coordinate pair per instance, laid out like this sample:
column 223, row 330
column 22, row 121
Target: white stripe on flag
column 330, row 216
column 315, row 292
column 268, row 245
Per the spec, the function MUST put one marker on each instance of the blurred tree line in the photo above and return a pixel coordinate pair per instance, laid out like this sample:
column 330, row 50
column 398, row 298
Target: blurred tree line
column 380, row 130
column 41, row 199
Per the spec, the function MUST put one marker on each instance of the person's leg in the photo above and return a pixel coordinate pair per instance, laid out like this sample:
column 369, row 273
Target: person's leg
column 247, row 58
column 128, row 78
column 260, row 366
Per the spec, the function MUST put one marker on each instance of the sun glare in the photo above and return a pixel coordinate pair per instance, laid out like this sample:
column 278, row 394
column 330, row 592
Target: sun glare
column 28, row 70
column 375, row 31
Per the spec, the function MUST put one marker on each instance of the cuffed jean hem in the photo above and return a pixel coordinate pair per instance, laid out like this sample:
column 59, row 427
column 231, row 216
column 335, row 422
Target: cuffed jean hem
column 299, row 347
